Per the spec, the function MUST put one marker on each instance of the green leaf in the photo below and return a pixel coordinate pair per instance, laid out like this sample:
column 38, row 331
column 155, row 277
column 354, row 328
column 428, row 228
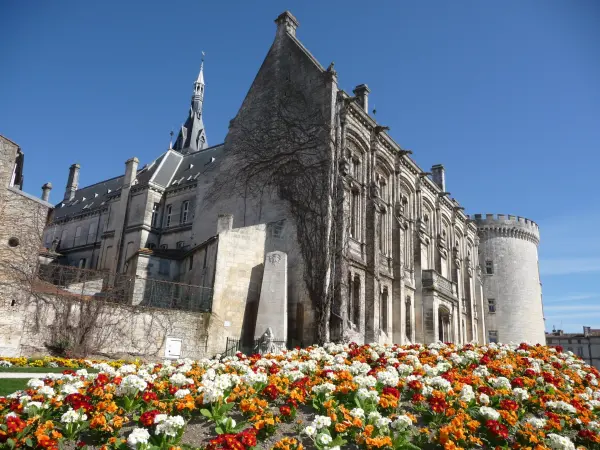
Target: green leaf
column 29, row 442
column 11, row 443
column 228, row 406
column 219, row 430
column 206, row 413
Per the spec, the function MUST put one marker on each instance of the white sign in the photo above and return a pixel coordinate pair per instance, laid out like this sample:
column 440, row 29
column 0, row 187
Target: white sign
column 227, row 323
column 173, row 348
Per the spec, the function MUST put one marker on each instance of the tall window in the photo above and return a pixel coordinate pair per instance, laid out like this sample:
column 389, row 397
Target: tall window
column 185, row 208
column 77, row 235
column 407, row 318
column 191, row 262
column 350, row 290
column 380, row 230
column 356, row 168
column 489, row 267
column 154, row 220
column 169, row 211
column 356, row 301
column 491, row 305
column 384, row 310
column 92, row 232
column 492, row 336
column 354, row 202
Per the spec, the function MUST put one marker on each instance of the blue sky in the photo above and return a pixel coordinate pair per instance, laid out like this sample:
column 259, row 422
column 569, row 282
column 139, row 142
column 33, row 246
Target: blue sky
column 504, row 94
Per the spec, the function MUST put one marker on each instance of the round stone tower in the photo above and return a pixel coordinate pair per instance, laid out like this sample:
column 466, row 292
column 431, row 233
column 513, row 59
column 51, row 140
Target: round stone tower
column 512, row 292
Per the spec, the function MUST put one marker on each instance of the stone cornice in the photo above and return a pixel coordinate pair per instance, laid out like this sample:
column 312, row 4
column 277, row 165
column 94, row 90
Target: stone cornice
column 488, row 231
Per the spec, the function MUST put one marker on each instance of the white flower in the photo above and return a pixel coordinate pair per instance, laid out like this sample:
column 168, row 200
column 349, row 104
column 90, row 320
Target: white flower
column 466, row 393
column 520, row 394
column 324, row 388
column 32, row 407
column 358, row 413
column 127, row 368
column 558, row 442
column 168, row 425
column 484, row 399
column 5, row 364
column 131, row 385
column 401, row 423
column 138, row 436
column 489, row 413
column 382, row 422
column 324, row 439
column 72, row 416
column 561, row 406
column 180, row 393
column 536, row 422
column 47, row 391
column 321, row 422
column 179, row 379
column 35, row 383
column 310, row 431
column 500, row 383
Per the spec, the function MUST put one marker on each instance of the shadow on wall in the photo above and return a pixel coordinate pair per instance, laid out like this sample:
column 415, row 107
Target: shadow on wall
column 251, row 310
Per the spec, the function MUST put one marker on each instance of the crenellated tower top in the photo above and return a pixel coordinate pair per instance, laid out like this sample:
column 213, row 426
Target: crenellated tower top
column 506, row 225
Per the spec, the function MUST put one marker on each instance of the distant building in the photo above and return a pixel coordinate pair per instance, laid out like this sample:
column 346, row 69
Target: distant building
column 416, row 267
column 586, row 345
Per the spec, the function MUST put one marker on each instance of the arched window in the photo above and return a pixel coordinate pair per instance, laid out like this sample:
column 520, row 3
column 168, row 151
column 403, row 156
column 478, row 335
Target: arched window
column 349, row 305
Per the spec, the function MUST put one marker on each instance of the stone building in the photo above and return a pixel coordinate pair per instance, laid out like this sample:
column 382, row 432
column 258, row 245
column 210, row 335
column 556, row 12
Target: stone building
column 410, row 266
column 586, row 345
column 22, row 221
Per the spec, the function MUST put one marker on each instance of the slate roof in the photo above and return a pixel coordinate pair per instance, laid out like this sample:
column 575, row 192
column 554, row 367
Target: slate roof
column 195, row 164
column 170, row 169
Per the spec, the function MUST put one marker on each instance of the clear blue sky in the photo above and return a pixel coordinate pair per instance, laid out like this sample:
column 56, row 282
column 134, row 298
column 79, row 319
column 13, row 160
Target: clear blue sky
column 505, row 94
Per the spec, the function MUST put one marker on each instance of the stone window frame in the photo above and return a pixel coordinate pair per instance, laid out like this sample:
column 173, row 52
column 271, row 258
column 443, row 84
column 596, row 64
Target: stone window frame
column 168, row 215
column 492, row 305
column 489, row 267
column 493, row 336
column 384, row 301
column 185, row 211
column 154, row 216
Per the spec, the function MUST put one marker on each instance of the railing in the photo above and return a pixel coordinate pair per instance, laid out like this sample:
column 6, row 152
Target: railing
column 260, row 345
column 433, row 280
column 121, row 288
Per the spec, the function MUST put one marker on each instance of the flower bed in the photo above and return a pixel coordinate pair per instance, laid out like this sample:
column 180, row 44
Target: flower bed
column 367, row 397
column 50, row 361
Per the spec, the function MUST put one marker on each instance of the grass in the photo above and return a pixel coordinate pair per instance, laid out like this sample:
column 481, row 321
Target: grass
column 10, row 385
column 40, row 369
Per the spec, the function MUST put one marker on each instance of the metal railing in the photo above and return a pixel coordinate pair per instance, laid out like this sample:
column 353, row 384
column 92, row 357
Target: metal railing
column 260, row 345
column 122, row 288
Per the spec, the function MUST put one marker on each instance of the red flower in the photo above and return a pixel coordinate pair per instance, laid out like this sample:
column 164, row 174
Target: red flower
column 437, row 404
column 149, row 396
column 530, row 372
column 78, row 401
column 497, row 429
column 416, row 398
column 101, row 379
column 15, row 424
column 509, row 405
column 391, row 391
column 148, row 417
column 587, row 434
column 485, row 390
column 248, row 437
column 517, row 382
column 271, row 391
column 285, row 410
column 415, row 385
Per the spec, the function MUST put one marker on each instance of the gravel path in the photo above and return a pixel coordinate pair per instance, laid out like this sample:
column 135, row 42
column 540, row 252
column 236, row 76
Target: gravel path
column 22, row 375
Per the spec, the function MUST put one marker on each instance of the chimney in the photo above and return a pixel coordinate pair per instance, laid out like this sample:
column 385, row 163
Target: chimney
column 46, row 191
column 131, row 166
column 286, row 22
column 72, row 183
column 439, row 176
column 362, row 94
column 586, row 331
column 224, row 222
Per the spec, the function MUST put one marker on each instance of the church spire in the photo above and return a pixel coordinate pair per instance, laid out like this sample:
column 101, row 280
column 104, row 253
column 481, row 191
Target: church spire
column 192, row 136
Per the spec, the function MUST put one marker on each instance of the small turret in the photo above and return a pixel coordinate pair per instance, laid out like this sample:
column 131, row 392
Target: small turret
column 46, row 188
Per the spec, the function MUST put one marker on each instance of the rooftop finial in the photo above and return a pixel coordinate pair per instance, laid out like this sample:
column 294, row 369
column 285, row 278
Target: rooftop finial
column 171, row 140
column 200, row 79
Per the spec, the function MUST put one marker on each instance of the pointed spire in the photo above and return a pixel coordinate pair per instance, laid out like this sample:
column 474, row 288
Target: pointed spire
column 192, row 135
column 171, row 140
column 200, row 79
